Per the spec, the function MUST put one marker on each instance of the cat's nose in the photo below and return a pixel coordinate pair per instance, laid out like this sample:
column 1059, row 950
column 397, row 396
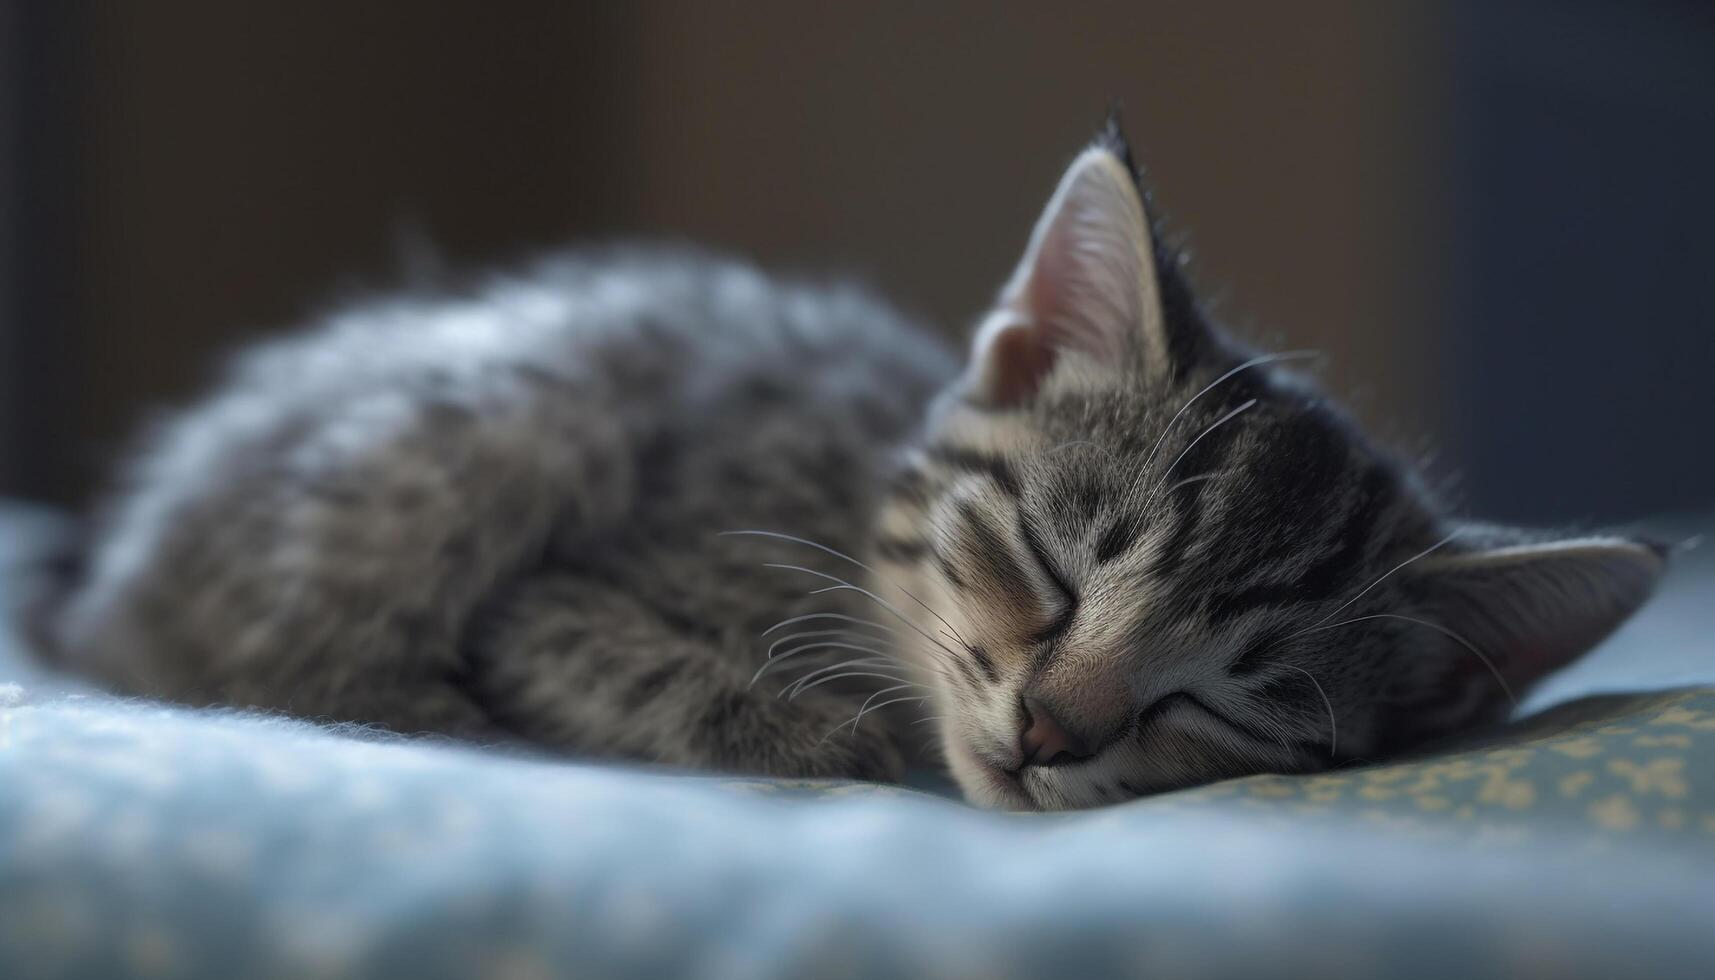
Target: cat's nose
column 1044, row 741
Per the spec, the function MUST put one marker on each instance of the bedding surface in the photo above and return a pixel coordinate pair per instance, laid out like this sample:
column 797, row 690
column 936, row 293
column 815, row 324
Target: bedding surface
column 142, row 840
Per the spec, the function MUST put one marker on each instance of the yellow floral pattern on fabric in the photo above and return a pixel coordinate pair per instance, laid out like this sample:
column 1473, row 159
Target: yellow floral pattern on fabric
column 1614, row 765
column 1610, row 765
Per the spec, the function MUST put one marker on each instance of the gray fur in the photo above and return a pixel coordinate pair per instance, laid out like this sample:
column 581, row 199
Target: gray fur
column 495, row 515
column 1191, row 558
column 499, row 516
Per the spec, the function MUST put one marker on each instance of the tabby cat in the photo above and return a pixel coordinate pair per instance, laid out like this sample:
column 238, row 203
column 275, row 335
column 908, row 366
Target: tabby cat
column 658, row 506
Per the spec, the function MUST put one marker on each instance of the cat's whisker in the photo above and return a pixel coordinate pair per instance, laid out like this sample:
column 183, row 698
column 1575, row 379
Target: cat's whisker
column 1366, row 590
column 882, row 658
column 873, row 658
column 1333, row 726
column 790, row 691
column 925, row 721
column 1444, row 631
column 845, row 557
column 1253, row 362
column 936, row 666
column 875, row 661
column 834, row 677
column 871, row 700
column 823, row 645
column 1194, row 479
column 806, row 634
column 1223, row 420
column 827, row 615
column 938, row 644
column 842, row 584
column 900, row 700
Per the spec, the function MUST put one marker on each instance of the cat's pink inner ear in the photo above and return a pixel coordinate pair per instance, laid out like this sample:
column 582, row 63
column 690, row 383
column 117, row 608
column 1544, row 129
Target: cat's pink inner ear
column 1086, row 286
column 1014, row 360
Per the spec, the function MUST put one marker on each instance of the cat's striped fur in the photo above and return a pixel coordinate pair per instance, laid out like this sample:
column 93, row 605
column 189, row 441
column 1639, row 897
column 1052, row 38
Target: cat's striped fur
column 499, row 515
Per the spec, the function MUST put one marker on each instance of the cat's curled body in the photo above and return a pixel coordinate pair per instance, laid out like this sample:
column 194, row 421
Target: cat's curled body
column 1112, row 554
column 497, row 514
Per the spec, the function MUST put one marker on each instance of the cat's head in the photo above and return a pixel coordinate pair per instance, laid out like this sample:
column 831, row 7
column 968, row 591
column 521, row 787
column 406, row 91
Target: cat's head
column 1135, row 557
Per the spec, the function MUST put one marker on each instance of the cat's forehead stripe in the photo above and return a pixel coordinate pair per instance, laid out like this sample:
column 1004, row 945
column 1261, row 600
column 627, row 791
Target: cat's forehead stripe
column 961, row 459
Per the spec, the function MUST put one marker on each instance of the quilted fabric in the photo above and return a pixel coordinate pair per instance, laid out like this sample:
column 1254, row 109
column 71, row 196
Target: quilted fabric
column 142, row 840
column 1640, row 766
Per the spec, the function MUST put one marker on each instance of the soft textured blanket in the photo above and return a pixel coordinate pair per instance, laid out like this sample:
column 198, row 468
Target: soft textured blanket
column 142, row 840
column 136, row 840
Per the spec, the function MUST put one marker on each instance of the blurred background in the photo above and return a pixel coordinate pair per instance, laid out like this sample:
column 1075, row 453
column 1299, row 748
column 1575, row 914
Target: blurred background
column 1495, row 217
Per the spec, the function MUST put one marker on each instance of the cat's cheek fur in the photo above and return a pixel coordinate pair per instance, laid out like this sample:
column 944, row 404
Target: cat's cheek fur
column 974, row 724
column 982, row 783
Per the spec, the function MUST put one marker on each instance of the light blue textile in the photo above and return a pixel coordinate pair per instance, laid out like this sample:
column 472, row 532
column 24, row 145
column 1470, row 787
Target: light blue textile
column 139, row 840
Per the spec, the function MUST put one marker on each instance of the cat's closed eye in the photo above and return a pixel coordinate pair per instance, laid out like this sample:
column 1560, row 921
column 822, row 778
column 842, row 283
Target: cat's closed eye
column 1223, row 576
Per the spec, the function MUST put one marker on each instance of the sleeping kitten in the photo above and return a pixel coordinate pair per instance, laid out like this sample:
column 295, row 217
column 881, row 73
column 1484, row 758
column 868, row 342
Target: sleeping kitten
column 1113, row 554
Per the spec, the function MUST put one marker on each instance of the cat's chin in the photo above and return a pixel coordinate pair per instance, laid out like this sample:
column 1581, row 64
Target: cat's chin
column 986, row 784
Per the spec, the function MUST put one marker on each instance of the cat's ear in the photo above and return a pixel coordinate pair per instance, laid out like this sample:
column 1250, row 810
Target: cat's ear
column 1086, row 289
column 1515, row 609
